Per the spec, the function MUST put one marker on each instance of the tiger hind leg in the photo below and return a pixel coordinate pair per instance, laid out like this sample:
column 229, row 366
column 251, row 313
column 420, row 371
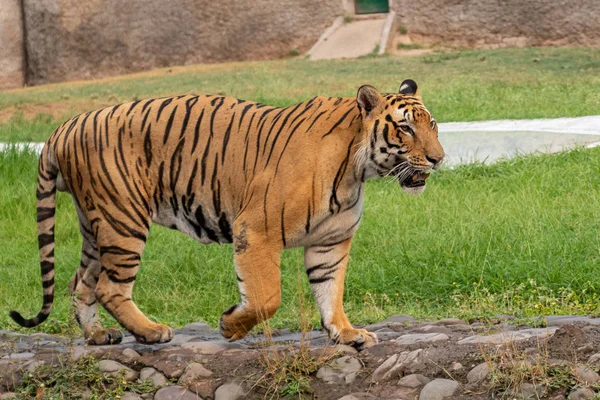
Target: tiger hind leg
column 119, row 258
column 82, row 290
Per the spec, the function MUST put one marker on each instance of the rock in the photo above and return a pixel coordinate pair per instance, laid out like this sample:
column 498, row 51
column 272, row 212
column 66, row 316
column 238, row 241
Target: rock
column 413, row 338
column 19, row 356
column 560, row 320
column 439, row 389
column 414, row 381
column 450, row 321
column 594, row 359
column 526, row 391
column 204, row 389
column 479, row 373
column 581, row 394
column 230, row 391
column 171, row 369
column 152, row 375
column 130, row 355
column 400, row 318
column 114, row 368
column 210, row 348
column 456, row 366
column 9, row 395
column 585, row 374
column 341, row 370
column 175, row 392
column 196, row 328
column 130, row 396
column 433, row 329
column 505, row 337
column 358, row 396
column 396, row 365
column 193, row 372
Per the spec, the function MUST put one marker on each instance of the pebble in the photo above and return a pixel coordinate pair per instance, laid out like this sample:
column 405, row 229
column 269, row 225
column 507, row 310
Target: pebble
column 594, row 359
column 358, row 396
column 130, row 396
column 413, row 338
column 581, row 394
column 113, row 368
column 175, row 392
column 396, row 365
column 341, row 370
column 152, row 375
column 479, row 373
column 414, row 381
column 439, row 389
column 506, row 337
column 585, row 374
column 230, row 391
column 193, row 372
column 130, row 355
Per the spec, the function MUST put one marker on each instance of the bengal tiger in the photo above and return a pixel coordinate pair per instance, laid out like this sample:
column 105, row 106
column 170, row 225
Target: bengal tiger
column 226, row 170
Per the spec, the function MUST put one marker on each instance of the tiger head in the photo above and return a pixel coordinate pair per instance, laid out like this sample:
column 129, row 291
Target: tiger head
column 400, row 136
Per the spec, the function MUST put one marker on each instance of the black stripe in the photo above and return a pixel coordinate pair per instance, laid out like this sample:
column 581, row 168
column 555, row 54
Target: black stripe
column 43, row 213
column 338, row 122
column 282, row 225
column 320, row 280
column 162, row 107
column 169, row 125
column 44, row 239
column 135, row 103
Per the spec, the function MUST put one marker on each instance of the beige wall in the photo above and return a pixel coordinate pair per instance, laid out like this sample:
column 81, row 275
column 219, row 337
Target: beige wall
column 501, row 23
column 74, row 39
column 12, row 54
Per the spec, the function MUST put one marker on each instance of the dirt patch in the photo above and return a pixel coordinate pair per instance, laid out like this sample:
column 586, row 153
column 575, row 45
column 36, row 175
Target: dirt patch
column 57, row 111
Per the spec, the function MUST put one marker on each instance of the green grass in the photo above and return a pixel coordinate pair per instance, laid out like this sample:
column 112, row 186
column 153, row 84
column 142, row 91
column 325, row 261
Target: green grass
column 456, row 86
column 517, row 237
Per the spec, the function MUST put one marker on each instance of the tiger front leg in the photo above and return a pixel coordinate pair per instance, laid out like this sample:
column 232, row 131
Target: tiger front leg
column 326, row 269
column 258, row 275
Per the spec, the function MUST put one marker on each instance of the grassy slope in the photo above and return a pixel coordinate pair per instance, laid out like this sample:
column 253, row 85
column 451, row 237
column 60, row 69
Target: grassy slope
column 460, row 86
column 495, row 226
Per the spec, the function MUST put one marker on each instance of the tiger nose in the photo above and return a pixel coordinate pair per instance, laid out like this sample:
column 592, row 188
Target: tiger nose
column 434, row 159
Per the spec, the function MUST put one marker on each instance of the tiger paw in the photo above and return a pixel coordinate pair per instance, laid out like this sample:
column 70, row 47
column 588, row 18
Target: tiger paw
column 360, row 339
column 232, row 328
column 103, row 337
column 156, row 333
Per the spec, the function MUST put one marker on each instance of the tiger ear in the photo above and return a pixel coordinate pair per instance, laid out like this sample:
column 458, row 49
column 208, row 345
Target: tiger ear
column 409, row 88
column 368, row 99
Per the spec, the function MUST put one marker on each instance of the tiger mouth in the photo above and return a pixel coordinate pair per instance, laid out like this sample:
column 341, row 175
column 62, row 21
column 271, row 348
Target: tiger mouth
column 415, row 180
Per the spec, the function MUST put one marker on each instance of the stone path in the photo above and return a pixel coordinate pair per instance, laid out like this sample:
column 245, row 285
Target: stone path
column 446, row 359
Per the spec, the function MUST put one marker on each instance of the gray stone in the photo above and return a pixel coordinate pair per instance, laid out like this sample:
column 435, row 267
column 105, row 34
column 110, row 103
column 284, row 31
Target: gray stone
column 130, row 396
column 18, row 356
column 175, row 392
column 479, row 373
column 585, row 374
column 433, row 329
column 196, row 328
column 414, row 338
column 358, row 396
column 154, row 376
column 400, row 318
column 341, row 370
column 130, row 355
column 506, row 337
column 396, row 365
column 210, row 348
column 230, row 391
column 114, row 368
column 526, row 391
column 414, row 381
column 450, row 321
column 581, row 394
column 560, row 320
column 439, row 389
column 193, row 372
column 594, row 359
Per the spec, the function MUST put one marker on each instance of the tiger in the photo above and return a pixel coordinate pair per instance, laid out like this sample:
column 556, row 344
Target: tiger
column 225, row 170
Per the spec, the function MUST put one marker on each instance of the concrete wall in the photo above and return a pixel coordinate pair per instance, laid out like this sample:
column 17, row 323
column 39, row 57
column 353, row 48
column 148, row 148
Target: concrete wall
column 501, row 23
column 73, row 39
column 12, row 52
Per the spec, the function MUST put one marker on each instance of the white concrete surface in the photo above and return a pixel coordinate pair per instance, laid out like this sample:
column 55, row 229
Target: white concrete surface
column 350, row 40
